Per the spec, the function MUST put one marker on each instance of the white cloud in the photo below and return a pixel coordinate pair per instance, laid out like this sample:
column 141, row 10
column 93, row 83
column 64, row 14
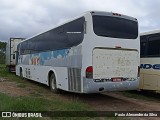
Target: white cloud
column 25, row 18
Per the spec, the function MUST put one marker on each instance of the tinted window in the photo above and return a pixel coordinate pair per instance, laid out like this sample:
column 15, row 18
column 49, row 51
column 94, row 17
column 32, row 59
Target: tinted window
column 154, row 46
column 115, row 27
column 65, row 36
column 143, row 46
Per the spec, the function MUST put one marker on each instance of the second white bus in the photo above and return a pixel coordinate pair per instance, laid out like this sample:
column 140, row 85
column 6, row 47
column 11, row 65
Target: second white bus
column 95, row 52
column 150, row 61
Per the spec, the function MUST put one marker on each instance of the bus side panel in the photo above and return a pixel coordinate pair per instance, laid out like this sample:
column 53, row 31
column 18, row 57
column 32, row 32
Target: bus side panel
column 149, row 80
column 151, row 74
column 18, row 70
column 150, row 83
column 61, row 77
column 65, row 63
column 41, row 74
column 141, row 81
column 35, row 73
column 158, row 85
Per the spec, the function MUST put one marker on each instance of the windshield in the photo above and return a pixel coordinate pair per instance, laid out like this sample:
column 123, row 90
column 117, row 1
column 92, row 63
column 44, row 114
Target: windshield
column 115, row 27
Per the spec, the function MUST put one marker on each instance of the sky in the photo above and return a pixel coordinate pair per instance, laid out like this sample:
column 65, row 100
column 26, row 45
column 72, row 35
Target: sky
column 26, row 18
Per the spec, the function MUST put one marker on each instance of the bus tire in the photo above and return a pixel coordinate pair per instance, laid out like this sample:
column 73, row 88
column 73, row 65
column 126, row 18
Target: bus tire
column 21, row 73
column 8, row 69
column 52, row 83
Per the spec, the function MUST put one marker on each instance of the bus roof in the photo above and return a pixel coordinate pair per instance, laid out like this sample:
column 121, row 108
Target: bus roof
column 112, row 14
column 88, row 12
column 150, row 32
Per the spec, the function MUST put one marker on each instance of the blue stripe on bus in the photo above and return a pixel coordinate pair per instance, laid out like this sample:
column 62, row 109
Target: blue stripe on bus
column 150, row 66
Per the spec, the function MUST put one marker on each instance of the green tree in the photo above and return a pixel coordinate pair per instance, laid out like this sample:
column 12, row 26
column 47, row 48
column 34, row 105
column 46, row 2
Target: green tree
column 2, row 52
column 3, row 46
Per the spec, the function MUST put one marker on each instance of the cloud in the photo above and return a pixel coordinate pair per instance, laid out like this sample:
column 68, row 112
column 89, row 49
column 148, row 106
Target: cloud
column 25, row 18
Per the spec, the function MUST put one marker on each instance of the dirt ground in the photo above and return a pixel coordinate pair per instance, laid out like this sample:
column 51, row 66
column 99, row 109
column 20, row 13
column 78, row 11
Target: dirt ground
column 109, row 101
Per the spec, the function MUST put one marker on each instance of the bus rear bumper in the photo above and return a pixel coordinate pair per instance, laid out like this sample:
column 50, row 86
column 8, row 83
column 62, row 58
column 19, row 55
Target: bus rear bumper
column 90, row 86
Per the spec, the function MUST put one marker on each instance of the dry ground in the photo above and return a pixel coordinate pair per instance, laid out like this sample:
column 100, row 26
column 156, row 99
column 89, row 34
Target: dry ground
column 109, row 101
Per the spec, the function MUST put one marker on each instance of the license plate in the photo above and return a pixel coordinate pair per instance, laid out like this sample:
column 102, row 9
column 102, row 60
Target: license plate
column 116, row 79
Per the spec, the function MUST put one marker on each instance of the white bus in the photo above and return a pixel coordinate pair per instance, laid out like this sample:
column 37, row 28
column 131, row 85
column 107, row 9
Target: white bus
column 150, row 61
column 95, row 52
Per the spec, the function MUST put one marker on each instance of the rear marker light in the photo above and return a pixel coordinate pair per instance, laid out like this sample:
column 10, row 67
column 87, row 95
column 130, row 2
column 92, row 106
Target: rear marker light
column 118, row 46
column 89, row 72
column 116, row 14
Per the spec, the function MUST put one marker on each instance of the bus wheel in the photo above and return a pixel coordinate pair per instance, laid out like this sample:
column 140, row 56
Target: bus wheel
column 21, row 73
column 52, row 83
column 8, row 69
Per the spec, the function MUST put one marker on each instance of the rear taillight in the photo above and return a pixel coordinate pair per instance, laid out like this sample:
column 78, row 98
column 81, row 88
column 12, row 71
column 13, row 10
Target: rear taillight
column 89, row 72
column 138, row 71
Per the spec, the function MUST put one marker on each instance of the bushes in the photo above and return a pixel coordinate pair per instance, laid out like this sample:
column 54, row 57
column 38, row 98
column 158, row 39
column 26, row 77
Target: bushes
column 2, row 58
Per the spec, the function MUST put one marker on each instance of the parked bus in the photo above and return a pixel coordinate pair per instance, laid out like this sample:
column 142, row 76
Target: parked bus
column 95, row 52
column 150, row 61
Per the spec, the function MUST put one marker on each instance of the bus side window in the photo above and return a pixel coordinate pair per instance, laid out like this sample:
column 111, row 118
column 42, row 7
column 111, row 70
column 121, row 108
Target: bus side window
column 85, row 27
column 13, row 56
column 61, row 30
column 143, row 48
column 153, row 46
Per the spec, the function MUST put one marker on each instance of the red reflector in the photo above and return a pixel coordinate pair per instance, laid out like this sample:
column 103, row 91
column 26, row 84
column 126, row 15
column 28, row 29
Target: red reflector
column 89, row 69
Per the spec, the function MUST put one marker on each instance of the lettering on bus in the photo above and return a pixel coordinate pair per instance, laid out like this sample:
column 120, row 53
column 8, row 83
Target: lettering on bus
column 150, row 66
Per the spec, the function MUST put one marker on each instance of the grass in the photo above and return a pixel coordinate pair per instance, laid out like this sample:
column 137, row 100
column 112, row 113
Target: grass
column 36, row 101
column 33, row 104
column 149, row 96
column 35, row 94
column 5, row 74
column 21, row 85
column 10, row 103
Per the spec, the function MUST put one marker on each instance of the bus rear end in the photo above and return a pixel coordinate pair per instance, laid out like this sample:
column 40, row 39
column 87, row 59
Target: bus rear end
column 114, row 64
